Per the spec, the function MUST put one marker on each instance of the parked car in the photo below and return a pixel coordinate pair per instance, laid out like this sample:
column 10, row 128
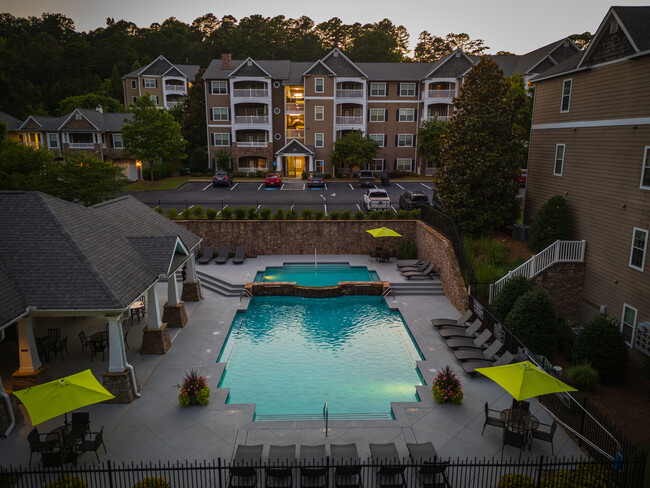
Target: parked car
column 521, row 177
column 222, row 178
column 366, row 178
column 273, row 179
column 316, row 180
column 413, row 199
column 376, row 199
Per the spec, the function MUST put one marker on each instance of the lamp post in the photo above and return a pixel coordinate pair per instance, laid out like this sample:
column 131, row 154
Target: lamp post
column 138, row 165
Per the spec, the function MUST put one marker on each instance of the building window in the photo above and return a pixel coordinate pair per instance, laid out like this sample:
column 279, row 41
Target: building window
column 376, row 165
column 319, row 85
column 645, row 172
column 628, row 323
column 406, row 115
column 378, row 138
column 566, row 95
column 319, row 166
column 221, row 139
column 134, row 84
column 319, row 112
column 219, row 113
column 404, row 140
column 117, row 141
column 377, row 89
column 133, row 99
column 52, row 141
column 219, row 87
column 149, row 83
column 559, row 160
column 404, row 164
column 407, row 89
column 639, row 246
column 377, row 115
column 319, row 139
column 154, row 98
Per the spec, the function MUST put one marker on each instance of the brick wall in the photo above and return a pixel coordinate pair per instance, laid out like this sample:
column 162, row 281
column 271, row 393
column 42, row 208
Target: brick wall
column 564, row 282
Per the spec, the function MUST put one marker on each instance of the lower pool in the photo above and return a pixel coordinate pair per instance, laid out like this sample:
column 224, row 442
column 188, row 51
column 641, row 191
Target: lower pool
column 310, row 274
column 289, row 355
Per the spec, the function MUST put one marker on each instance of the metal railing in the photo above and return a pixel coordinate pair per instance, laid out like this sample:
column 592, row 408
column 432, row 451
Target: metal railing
column 250, row 93
column 175, row 88
column 349, row 93
column 441, row 93
column 445, row 118
column 81, row 145
column 349, row 119
column 252, row 143
column 252, row 119
column 295, row 134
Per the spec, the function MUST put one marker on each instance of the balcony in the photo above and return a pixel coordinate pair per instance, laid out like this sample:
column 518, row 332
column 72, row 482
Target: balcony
column 291, row 107
column 295, row 134
column 349, row 93
column 349, row 119
column 252, row 119
column 81, row 145
column 441, row 93
column 250, row 93
column 444, row 118
column 175, row 88
column 252, row 144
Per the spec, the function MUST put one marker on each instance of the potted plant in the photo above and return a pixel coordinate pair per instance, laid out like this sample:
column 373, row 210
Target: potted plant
column 194, row 390
column 446, row 387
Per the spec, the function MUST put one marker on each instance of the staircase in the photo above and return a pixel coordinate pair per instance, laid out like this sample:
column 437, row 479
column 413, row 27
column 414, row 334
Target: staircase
column 419, row 287
column 216, row 285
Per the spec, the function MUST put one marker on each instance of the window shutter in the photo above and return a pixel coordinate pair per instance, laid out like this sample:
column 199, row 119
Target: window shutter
column 387, row 85
column 385, row 114
column 368, row 115
column 396, row 141
column 415, row 117
column 414, row 137
column 142, row 81
column 397, row 115
column 228, row 113
column 384, row 139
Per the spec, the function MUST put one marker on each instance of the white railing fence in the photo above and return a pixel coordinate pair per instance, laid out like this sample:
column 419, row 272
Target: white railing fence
column 558, row 252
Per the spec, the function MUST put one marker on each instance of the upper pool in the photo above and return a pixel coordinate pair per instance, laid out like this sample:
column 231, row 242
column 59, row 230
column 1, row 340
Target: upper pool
column 310, row 274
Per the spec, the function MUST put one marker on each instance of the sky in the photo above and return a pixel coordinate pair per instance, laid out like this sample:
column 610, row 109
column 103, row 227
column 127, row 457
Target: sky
column 504, row 25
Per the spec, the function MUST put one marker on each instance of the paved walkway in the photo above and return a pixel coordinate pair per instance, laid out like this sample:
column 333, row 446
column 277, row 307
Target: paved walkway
column 154, row 427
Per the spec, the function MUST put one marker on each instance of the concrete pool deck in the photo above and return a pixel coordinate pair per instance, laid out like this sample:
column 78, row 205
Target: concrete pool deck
column 155, row 428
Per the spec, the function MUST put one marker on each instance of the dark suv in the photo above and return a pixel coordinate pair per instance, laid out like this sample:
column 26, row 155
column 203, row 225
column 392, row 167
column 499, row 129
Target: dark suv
column 316, row 180
column 221, row 178
column 412, row 199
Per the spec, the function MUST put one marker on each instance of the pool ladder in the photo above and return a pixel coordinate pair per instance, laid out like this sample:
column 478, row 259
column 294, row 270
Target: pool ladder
column 388, row 291
column 247, row 293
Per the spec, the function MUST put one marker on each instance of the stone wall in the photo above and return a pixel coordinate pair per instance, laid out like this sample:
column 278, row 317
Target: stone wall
column 344, row 288
column 564, row 282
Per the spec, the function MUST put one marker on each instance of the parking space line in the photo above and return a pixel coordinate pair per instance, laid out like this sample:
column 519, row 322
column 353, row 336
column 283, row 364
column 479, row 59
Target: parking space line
column 393, row 208
column 233, row 187
column 260, row 187
column 258, row 207
column 282, row 187
column 375, row 187
column 325, row 186
column 426, row 186
column 397, row 184
column 325, row 205
column 206, row 187
column 219, row 212
column 358, row 207
column 351, row 186
column 304, row 186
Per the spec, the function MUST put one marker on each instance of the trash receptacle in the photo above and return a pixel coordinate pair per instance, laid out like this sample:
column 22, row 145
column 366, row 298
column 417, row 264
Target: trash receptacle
column 557, row 372
column 520, row 232
column 384, row 179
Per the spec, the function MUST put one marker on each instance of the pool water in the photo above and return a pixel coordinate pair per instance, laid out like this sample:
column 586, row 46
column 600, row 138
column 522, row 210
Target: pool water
column 310, row 274
column 289, row 355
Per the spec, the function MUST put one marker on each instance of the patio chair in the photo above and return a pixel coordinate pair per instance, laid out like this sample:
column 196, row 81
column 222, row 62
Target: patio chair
column 522, row 405
column 282, row 459
column 470, row 366
column 416, row 267
column 61, row 346
column 427, row 274
column 56, row 333
column 38, row 445
column 411, row 265
column 514, row 439
column 469, row 331
column 52, row 459
column 243, row 469
column 472, row 354
column 431, row 473
column 85, row 342
column 92, row 444
column 347, row 473
column 80, row 425
column 96, row 347
column 461, row 321
column 206, row 257
column 494, row 421
column 546, row 436
column 224, row 251
column 313, row 470
column 390, row 473
column 240, row 255
column 469, row 342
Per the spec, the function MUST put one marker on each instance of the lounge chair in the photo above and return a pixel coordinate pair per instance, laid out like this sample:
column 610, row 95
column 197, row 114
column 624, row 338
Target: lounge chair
column 470, row 366
column 206, row 256
column 347, row 473
column 475, row 353
column 240, row 255
column 459, row 322
column 416, row 267
column 243, row 469
column 469, row 342
column 224, row 251
column 432, row 470
column 279, row 471
column 469, row 331
column 313, row 473
column 427, row 274
column 410, row 265
column 390, row 473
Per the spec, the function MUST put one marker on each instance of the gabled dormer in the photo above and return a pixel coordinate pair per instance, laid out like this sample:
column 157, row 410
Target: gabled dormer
column 454, row 65
column 78, row 120
column 249, row 69
column 319, row 68
column 342, row 66
column 157, row 67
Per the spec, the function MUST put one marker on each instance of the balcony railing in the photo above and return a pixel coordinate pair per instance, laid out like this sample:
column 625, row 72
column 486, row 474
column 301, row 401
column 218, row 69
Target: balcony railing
column 444, row 118
column 175, row 88
column 349, row 93
column 295, row 107
column 252, row 144
column 252, row 119
column 250, row 93
column 81, row 145
column 349, row 119
column 441, row 93
column 295, row 134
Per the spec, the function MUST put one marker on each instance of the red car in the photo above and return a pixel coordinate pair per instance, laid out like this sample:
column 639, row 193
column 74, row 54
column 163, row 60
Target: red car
column 273, row 179
column 521, row 177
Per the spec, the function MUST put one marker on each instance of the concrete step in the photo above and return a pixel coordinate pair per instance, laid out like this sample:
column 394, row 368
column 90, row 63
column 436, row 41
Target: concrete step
column 420, row 287
column 216, row 285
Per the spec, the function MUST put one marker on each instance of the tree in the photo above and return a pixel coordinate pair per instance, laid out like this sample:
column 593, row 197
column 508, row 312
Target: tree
column 375, row 46
column 431, row 48
column 223, row 160
column 534, row 322
column 152, row 135
column 90, row 101
column 430, row 138
column 581, row 40
column 603, row 346
column 477, row 180
column 551, row 223
column 354, row 149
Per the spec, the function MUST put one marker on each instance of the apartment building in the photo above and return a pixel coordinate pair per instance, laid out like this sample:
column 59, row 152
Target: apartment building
column 286, row 116
column 165, row 82
column 590, row 142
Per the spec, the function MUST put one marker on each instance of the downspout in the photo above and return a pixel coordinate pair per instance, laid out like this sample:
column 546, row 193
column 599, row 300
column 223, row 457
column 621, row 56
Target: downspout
column 10, row 410
column 133, row 380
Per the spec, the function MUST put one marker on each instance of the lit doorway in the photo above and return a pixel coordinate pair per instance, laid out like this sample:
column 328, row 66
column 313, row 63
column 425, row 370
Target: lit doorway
column 295, row 165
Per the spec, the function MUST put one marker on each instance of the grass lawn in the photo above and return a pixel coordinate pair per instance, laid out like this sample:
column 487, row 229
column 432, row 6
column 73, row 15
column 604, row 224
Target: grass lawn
column 164, row 184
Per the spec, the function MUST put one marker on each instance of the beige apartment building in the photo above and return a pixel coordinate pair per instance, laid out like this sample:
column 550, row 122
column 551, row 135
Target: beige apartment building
column 590, row 142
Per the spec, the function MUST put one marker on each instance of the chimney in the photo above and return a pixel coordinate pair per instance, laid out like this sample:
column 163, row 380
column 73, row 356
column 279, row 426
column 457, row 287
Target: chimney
column 225, row 62
column 99, row 109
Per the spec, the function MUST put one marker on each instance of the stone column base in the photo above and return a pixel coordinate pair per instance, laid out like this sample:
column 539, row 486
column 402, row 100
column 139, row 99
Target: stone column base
column 155, row 341
column 4, row 414
column 121, row 385
column 24, row 380
column 191, row 291
column 175, row 315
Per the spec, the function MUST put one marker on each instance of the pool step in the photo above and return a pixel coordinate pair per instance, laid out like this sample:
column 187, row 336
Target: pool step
column 319, row 416
column 420, row 287
column 216, row 285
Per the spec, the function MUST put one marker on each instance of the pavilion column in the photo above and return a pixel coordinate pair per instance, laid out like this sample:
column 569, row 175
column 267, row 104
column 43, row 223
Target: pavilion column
column 154, row 320
column 191, row 286
column 118, row 379
column 172, row 290
column 311, row 163
column 30, row 372
column 174, row 314
column 155, row 337
column 278, row 163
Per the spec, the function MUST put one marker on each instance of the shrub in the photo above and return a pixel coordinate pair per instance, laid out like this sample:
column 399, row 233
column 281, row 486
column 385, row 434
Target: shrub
column 403, row 214
column 334, row 215
column 226, row 213
column 511, row 291
column 279, row 214
column 414, row 214
column 240, row 213
column 252, row 213
column 566, row 338
column 319, row 214
column 211, row 213
column 193, row 384
column 304, row 175
column 585, row 476
column 197, row 211
column 160, row 171
column 446, row 387
column 551, row 223
column 602, row 345
column 486, row 272
column 292, row 214
column 172, row 213
column 583, row 377
column 239, row 174
column 153, row 482
column 158, row 209
column 374, row 215
column 533, row 321
column 307, row 214
column 345, row 215
column 67, row 482
column 388, row 214
column 516, row 480
column 359, row 215
column 198, row 161
column 327, row 176
column 185, row 214
column 265, row 213
column 406, row 250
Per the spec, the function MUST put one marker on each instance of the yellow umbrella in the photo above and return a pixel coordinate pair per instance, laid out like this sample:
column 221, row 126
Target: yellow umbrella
column 383, row 232
column 57, row 397
column 524, row 380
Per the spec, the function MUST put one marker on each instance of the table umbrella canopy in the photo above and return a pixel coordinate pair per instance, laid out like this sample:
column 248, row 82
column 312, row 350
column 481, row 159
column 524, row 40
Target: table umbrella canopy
column 57, row 397
column 383, row 232
column 524, row 380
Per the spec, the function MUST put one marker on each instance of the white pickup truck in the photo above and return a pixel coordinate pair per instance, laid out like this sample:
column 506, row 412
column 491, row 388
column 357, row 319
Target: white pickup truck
column 376, row 199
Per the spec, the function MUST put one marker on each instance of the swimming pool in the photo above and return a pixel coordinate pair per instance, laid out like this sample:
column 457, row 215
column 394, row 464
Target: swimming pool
column 289, row 355
column 310, row 274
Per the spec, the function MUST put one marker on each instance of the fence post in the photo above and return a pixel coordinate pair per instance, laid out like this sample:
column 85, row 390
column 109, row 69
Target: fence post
column 582, row 249
column 110, row 473
column 539, row 471
column 557, row 251
column 219, row 472
column 533, row 266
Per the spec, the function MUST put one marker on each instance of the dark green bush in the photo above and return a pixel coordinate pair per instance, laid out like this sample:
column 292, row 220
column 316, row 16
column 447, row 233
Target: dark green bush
column 185, row 214
column 153, row 482
column 226, row 213
column 319, row 214
column 512, row 289
column 345, row 215
column 240, row 213
column 211, row 213
column 252, row 213
column 304, row 175
column 265, row 213
column 602, row 345
column 388, row 214
column 239, row 174
column 292, row 214
column 197, row 211
column 404, row 214
column 279, row 214
column 551, row 223
column 158, row 209
column 516, row 480
column 359, row 215
column 198, row 162
column 307, row 214
column 374, row 215
column 160, row 171
column 67, row 482
column 334, row 215
column 414, row 214
column 584, row 476
column 406, row 250
column 533, row 321
column 566, row 338
column 583, row 377
column 172, row 213
column 327, row 176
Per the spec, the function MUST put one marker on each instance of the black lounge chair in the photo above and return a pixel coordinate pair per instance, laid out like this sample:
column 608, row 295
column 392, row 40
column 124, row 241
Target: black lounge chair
column 280, row 467
column 459, row 322
column 347, row 473
column 427, row 274
column 224, row 251
column 410, row 265
column 390, row 473
column 470, row 366
column 243, row 469
column 313, row 462
column 432, row 471
column 469, row 342
column 206, row 256
column 469, row 331
column 240, row 255
column 416, row 267
column 474, row 354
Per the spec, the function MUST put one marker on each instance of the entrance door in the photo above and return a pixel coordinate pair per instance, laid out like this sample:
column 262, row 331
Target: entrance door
column 295, row 165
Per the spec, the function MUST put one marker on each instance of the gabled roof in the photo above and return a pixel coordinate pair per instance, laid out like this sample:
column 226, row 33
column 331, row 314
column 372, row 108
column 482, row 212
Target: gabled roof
column 101, row 122
column 250, row 68
column 88, row 115
column 174, row 71
column 341, row 65
column 395, row 71
column 160, row 66
column 319, row 68
column 43, row 122
column 12, row 122
column 451, row 66
column 295, row 147
column 157, row 68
